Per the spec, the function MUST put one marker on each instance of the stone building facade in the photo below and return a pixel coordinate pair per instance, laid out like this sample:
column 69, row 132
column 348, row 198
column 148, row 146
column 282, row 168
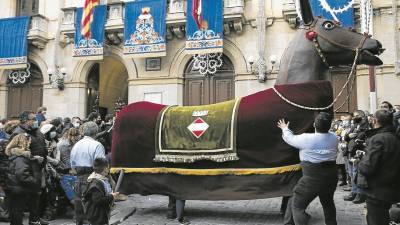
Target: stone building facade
column 170, row 79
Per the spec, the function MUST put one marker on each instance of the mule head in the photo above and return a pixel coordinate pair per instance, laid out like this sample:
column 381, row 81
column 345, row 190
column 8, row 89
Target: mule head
column 337, row 45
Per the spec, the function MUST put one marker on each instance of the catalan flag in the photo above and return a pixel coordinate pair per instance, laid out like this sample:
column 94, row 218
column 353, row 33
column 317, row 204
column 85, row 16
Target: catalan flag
column 87, row 17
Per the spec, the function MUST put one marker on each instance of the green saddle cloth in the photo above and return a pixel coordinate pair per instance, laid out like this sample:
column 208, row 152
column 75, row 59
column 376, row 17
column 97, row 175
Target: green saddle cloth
column 186, row 134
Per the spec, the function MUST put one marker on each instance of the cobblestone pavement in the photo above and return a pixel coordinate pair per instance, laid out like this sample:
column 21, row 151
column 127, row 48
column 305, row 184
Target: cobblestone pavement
column 151, row 210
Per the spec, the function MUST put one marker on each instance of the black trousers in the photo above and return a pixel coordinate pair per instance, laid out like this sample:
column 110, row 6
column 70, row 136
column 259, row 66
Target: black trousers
column 319, row 180
column 377, row 212
column 33, row 204
column 18, row 203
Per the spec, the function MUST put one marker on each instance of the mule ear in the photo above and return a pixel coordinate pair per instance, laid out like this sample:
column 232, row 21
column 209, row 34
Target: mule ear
column 306, row 11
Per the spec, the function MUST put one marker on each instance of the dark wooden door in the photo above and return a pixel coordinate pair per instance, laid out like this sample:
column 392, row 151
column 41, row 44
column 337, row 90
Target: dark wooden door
column 93, row 84
column 348, row 100
column 26, row 96
column 209, row 89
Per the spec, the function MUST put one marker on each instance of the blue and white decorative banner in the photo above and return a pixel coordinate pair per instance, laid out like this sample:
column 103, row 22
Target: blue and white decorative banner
column 338, row 10
column 92, row 48
column 14, row 42
column 204, row 26
column 145, row 28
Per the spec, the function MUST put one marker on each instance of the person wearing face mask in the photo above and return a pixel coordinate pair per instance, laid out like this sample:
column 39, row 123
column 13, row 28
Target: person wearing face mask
column 52, row 191
column 57, row 123
column 380, row 167
column 356, row 140
column 76, row 122
column 30, row 126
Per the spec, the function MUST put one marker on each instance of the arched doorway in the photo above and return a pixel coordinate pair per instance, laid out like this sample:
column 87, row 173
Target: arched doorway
column 106, row 84
column 26, row 96
column 208, row 89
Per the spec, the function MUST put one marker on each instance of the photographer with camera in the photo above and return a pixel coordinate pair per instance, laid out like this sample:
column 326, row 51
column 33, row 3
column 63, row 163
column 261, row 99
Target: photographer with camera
column 380, row 167
column 356, row 143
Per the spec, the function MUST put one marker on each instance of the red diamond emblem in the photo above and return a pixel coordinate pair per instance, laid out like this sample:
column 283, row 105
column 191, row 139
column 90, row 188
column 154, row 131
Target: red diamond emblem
column 198, row 127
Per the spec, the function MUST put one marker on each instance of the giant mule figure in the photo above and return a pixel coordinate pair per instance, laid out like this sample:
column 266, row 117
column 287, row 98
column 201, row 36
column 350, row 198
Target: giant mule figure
column 266, row 166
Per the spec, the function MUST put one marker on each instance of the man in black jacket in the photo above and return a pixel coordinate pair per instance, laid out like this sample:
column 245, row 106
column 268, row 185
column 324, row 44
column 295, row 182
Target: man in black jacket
column 29, row 125
column 380, row 166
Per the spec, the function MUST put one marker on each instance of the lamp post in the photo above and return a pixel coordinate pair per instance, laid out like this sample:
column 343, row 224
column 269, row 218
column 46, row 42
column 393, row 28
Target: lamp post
column 255, row 68
column 57, row 76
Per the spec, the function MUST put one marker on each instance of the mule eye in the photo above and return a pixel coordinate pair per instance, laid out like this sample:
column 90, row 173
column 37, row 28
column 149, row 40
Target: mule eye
column 328, row 25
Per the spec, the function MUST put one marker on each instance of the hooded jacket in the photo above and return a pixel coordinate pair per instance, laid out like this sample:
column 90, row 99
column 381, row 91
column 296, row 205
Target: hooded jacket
column 97, row 201
column 381, row 166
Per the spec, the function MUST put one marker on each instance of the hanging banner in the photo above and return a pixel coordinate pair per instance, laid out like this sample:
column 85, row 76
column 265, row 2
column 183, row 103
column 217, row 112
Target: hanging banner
column 90, row 44
column 14, row 42
column 145, row 29
column 204, row 26
column 338, row 10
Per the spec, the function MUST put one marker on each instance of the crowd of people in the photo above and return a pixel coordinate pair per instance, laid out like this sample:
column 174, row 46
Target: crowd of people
column 360, row 150
column 49, row 167
column 365, row 160
column 52, row 167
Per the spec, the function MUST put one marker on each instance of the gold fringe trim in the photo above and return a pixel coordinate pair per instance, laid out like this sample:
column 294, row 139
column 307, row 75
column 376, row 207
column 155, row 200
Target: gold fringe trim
column 210, row 172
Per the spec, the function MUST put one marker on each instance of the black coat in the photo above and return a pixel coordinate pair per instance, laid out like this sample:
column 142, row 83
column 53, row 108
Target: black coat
column 37, row 147
column 97, row 203
column 4, row 162
column 20, row 177
column 357, row 142
column 381, row 164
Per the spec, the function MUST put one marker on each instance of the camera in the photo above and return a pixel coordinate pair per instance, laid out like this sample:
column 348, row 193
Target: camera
column 359, row 154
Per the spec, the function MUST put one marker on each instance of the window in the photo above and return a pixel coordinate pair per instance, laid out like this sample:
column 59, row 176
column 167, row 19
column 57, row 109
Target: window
column 27, row 7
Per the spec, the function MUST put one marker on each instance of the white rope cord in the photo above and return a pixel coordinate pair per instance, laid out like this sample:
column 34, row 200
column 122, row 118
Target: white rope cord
column 337, row 97
column 348, row 95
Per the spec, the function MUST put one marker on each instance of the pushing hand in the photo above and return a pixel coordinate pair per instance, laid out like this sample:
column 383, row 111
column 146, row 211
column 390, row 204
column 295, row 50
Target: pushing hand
column 282, row 124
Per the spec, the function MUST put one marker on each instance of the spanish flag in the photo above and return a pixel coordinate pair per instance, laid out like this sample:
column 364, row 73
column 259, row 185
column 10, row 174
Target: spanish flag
column 87, row 17
column 197, row 12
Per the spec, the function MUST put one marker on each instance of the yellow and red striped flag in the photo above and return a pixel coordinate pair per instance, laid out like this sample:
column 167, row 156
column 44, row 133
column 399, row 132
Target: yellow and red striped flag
column 87, row 17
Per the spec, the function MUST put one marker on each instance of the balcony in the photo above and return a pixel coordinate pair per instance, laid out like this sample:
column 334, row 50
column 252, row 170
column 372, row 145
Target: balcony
column 38, row 31
column 175, row 20
column 289, row 12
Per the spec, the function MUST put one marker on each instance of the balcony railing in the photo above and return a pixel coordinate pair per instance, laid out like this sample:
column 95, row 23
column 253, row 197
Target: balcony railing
column 176, row 20
column 289, row 12
column 38, row 31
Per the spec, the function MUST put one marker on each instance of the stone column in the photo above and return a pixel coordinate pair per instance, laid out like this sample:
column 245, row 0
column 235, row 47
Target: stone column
column 3, row 101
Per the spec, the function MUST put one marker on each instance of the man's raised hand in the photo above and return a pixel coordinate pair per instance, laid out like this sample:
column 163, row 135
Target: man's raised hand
column 282, row 124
